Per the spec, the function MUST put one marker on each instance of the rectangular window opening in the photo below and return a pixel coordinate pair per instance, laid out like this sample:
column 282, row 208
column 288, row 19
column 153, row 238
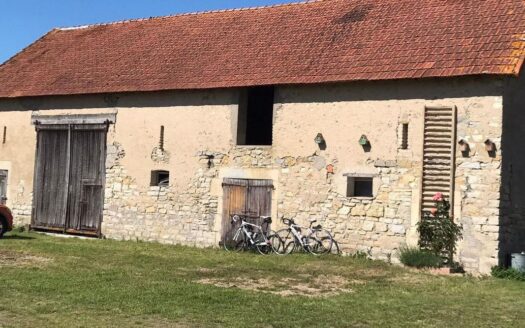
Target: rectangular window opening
column 160, row 178
column 360, row 187
column 404, row 136
column 3, row 187
column 255, row 118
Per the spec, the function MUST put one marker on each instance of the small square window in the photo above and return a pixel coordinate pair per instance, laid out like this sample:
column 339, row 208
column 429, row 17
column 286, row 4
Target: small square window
column 360, row 187
column 160, row 178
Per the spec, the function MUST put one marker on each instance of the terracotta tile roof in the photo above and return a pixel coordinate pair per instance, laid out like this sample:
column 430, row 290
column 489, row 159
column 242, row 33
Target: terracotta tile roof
column 313, row 42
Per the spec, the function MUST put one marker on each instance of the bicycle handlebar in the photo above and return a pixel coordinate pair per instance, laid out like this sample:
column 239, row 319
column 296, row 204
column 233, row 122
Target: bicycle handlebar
column 237, row 217
column 290, row 222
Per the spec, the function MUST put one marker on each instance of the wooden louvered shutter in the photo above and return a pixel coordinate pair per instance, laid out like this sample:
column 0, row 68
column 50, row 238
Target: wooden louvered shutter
column 438, row 155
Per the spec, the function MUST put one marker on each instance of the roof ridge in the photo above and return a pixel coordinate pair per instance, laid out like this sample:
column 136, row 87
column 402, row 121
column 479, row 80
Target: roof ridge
column 196, row 13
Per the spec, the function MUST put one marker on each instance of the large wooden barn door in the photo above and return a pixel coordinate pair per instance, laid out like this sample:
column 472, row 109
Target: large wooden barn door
column 69, row 178
column 86, row 181
column 51, row 171
column 438, row 155
column 250, row 198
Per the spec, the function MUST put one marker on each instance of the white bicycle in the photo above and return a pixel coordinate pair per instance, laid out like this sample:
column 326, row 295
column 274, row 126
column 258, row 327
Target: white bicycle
column 249, row 236
column 316, row 240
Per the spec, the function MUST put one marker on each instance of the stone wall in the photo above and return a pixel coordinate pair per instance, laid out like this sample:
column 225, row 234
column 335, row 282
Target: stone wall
column 199, row 151
column 478, row 181
column 191, row 212
column 376, row 226
column 162, row 214
column 191, row 216
column 22, row 209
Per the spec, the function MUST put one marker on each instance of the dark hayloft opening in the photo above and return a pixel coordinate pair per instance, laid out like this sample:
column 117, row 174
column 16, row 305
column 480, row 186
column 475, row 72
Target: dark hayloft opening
column 255, row 119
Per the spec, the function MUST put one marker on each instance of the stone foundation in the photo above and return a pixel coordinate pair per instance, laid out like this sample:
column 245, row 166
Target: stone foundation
column 22, row 207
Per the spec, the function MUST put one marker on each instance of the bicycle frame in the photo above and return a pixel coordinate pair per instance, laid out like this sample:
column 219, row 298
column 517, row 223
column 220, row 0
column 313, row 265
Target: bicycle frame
column 298, row 236
column 246, row 233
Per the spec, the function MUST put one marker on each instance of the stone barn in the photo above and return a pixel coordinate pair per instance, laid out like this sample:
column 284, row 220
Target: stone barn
column 352, row 112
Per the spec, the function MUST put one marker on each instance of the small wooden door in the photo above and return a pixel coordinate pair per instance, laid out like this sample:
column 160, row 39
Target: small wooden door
column 70, row 178
column 250, row 198
column 3, row 187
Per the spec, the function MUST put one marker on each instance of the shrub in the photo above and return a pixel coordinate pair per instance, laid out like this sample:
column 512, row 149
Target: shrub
column 510, row 273
column 417, row 258
column 438, row 232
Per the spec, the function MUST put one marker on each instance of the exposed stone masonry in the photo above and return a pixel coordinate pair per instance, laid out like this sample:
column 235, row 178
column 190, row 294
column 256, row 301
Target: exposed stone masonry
column 21, row 208
column 478, row 198
column 158, row 213
column 376, row 225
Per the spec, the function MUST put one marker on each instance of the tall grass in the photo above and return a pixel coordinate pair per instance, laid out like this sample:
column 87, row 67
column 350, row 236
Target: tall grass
column 417, row 258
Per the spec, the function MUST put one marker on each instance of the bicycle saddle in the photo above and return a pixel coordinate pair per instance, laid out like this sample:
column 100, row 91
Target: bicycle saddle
column 288, row 221
column 267, row 219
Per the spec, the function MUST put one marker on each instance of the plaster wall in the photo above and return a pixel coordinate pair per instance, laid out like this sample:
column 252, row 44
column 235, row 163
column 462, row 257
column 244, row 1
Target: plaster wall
column 17, row 156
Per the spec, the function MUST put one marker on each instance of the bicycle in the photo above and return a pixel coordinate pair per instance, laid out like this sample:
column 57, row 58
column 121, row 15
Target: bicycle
column 317, row 240
column 251, row 236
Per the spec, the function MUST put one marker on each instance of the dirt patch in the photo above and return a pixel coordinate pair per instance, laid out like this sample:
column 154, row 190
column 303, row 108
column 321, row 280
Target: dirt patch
column 17, row 259
column 319, row 286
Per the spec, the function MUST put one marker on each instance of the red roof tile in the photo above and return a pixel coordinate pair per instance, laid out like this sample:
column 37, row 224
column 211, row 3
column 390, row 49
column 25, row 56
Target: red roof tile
column 314, row 42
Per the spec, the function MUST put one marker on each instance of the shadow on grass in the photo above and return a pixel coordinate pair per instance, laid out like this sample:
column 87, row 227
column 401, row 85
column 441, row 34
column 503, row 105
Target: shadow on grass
column 18, row 237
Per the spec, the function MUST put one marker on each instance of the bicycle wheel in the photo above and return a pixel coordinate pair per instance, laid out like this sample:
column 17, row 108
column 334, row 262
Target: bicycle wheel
column 288, row 241
column 335, row 248
column 262, row 244
column 234, row 241
column 276, row 243
column 319, row 242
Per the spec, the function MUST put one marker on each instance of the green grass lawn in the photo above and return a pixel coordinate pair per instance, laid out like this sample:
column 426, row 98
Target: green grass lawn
column 57, row 282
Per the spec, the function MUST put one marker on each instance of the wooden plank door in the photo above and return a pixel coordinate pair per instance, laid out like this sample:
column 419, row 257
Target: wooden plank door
column 86, row 179
column 234, row 202
column 50, row 182
column 69, row 178
column 438, row 155
column 250, row 198
column 259, row 199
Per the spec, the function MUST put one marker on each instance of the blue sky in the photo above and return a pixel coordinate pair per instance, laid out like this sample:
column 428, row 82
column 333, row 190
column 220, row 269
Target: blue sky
column 24, row 21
